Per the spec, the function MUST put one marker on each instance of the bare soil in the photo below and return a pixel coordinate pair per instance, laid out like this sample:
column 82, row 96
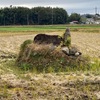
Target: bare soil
column 87, row 43
column 62, row 86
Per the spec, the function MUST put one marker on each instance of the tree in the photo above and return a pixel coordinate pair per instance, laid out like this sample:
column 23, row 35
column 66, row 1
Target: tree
column 45, row 16
column 60, row 16
column 75, row 17
column 22, row 15
column 37, row 15
column 41, row 15
column 89, row 16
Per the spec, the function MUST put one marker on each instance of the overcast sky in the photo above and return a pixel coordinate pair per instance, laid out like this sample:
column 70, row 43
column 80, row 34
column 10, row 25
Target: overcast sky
column 71, row 6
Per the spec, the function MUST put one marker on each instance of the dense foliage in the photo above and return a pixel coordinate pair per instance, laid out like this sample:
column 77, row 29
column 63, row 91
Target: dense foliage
column 36, row 15
column 75, row 17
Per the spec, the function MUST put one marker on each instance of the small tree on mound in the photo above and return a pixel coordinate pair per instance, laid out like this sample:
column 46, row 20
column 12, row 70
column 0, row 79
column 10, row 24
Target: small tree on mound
column 43, row 58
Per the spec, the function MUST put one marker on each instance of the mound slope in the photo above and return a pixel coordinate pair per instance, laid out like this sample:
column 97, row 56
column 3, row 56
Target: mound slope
column 46, row 57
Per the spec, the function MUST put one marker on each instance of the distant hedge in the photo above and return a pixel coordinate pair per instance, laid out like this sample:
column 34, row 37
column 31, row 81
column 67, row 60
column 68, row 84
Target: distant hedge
column 36, row 15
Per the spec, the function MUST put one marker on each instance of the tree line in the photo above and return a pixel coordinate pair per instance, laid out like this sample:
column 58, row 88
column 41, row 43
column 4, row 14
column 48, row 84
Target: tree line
column 35, row 16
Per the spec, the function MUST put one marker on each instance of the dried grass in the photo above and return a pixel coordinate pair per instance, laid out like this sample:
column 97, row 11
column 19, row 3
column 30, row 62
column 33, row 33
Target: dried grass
column 49, row 59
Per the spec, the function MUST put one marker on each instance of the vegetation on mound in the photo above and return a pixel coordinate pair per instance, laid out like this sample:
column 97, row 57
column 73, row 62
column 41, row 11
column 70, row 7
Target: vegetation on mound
column 40, row 58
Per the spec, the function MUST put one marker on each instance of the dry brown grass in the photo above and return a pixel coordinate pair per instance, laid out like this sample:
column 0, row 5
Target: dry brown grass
column 87, row 43
column 70, row 85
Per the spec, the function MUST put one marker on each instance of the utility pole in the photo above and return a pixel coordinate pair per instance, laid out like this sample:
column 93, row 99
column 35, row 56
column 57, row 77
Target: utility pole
column 14, row 19
column 4, row 20
column 52, row 16
column 38, row 19
column 95, row 12
column 27, row 19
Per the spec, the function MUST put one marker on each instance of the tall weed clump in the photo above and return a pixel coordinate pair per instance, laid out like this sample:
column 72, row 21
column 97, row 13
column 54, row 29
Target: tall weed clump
column 22, row 49
column 41, row 58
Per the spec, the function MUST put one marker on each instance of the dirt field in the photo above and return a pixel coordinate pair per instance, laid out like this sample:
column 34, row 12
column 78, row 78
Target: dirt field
column 87, row 43
column 53, row 86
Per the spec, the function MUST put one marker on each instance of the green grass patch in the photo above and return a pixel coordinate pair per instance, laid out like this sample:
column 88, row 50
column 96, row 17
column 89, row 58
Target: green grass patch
column 45, row 28
column 26, row 30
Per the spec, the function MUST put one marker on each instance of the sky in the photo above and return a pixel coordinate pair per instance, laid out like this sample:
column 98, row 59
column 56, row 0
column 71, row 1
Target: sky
column 71, row 6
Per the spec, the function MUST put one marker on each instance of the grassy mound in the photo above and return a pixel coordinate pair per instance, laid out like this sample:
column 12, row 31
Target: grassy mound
column 42, row 58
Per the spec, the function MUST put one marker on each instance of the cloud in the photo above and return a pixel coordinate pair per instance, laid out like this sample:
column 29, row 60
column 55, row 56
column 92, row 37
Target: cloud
column 70, row 5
